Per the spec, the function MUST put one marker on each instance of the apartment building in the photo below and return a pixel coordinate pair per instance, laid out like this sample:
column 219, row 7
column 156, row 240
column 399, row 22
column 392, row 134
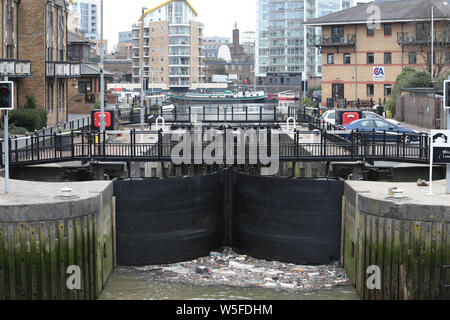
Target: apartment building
column 362, row 62
column 125, row 37
column 89, row 13
column 12, row 64
column 36, row 61
column 168, row 41
column 280, row 46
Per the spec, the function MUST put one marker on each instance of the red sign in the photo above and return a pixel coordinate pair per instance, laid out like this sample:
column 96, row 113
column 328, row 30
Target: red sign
column 349, row 117
column 97, row 119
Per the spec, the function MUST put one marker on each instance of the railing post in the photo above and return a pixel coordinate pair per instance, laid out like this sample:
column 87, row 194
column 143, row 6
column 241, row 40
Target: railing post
column 325, row 145
column 190, row 114
column 159, row 144
column 54, row 144
column 297, row 138
column 404, row 145
column 104, row 144
column 246, row 113
column 352, row 137
column 72, row 144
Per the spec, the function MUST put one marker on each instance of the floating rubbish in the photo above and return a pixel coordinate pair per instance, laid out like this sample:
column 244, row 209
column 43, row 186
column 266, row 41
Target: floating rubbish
column 215, row 254
column 257, row 270
column 231, row 269
column 202, row 270
column 287, row 285
column 224, row 272
column 238, row 265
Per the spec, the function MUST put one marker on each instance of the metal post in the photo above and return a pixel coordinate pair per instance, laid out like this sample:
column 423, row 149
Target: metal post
column 142, row 74
column 102, row 75
column 432, row 41
column 6, row 147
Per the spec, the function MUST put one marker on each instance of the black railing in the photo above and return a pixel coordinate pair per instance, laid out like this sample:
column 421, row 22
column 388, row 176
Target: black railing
column 442, row 37
column 157, row 146
column 322, row 41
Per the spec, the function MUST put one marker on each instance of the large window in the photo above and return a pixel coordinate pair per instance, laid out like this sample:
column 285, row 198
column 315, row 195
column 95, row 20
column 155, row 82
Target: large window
column 370, row 58
column 370, row 90
column 9, row 30
column 370, row 31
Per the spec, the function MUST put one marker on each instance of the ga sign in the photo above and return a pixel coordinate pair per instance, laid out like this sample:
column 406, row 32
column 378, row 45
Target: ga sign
column 378, row 74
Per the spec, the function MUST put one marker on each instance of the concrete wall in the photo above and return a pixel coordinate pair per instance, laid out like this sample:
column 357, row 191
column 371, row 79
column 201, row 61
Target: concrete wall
column 408, row 239
column 42, row 234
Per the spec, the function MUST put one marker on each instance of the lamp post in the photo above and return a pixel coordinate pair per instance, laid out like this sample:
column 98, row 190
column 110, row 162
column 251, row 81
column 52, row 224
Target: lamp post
column 142, row 73
column 432, row 35
column 102, row 75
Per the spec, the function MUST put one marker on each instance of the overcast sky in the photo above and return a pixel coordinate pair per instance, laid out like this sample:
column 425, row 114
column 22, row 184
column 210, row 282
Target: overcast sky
column 218, row 16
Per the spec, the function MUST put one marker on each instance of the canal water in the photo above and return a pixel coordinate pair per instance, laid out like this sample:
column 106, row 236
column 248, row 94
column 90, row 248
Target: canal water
column 127, row 283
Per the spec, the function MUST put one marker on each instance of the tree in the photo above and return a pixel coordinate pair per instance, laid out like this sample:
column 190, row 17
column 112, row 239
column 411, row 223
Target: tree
column 409, row 78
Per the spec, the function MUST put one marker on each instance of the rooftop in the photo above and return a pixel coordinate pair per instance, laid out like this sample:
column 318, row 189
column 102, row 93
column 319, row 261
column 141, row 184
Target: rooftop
column 390, row 11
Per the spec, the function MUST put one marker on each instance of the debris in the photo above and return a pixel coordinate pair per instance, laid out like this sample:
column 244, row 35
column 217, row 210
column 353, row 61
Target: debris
column 231, row 269
column 202, row 270
column 422, row 183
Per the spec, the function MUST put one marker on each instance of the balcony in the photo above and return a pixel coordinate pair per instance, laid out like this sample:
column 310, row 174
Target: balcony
column 417, row 38
column 63, row 69
column 15, row 68
column 322, row 41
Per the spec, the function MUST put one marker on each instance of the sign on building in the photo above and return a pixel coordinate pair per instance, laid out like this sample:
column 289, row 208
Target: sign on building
column 378, row 73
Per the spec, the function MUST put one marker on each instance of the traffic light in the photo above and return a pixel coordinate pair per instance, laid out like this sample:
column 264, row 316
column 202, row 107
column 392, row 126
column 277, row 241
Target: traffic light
column 447, row 94
column 6, row 95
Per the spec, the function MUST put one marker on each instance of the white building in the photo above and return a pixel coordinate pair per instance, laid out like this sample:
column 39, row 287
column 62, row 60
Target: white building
column 281, row 45
column 168, row 41
column 89, row 13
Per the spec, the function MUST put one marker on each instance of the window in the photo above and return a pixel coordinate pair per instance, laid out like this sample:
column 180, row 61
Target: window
column 370, row 58
column 370, row 31
column 388, row 29
column 388, row 58
column 447, row 58
column 370, row 90
column 387, row 90
column 330, row 58
column 347, row 58
column 383, row 124
column 412, row 58
column 366, row 124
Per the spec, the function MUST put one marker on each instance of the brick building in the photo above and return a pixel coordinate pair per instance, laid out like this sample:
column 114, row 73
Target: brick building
column 12, row 63
column 354, row 53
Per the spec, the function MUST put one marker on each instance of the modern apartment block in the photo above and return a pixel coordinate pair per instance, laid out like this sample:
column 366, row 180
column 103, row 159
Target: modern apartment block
column 89, row 12
column 363, row 62
column 36, row 60
column 125, row 36
column 168, row 41
column 281, row 46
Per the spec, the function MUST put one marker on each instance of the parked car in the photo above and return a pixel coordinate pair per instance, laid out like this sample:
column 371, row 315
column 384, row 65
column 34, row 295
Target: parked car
column 373, row 115
column 380, row 126
column 328, row 117
column 317, row 95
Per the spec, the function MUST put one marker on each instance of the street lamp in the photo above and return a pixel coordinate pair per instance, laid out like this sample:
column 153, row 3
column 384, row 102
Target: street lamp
column 102, row 75
column 432, row 35
column 142, row 71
